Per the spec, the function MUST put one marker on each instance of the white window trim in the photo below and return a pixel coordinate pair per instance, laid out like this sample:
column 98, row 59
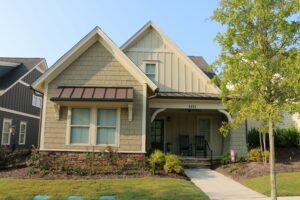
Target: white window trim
column 69, row 124
column 21, row 123
column 92, row 128
column 36, row 101
column 9, row 134
column 117, row 128
column 156, row 68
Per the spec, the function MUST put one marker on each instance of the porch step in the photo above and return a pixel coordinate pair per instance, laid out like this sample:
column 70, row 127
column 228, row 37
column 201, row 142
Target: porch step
column 194, row 162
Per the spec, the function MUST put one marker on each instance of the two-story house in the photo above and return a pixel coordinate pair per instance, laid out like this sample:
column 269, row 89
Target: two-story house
column 147, row 94
column 19, row 105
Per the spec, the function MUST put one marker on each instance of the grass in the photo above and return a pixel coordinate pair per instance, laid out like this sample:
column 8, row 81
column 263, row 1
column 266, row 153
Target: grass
column 125, row 189
column 288, row 184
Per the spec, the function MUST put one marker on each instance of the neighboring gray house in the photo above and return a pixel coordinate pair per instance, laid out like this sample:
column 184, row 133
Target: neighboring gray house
column 19, row 105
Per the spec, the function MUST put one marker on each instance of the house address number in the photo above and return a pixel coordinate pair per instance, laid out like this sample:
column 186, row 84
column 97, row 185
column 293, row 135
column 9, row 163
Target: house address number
column 192, row 106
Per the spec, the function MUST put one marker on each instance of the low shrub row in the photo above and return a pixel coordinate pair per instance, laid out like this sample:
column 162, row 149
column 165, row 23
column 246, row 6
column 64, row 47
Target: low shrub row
column 170, row 163
column 91, row 163
column 10, row 158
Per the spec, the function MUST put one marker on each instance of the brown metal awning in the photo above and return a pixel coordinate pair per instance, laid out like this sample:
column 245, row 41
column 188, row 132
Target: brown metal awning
column 118, row 94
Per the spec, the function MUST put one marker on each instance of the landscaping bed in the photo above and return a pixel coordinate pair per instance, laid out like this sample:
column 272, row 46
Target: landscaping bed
column 287, row 160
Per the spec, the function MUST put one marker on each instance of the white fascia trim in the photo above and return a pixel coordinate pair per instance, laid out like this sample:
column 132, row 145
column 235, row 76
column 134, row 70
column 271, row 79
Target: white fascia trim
column 110, row 46
column 20, row 79
column 23, row 83
column 90, row 150
column 9, row 64
column 173, row 46
column 18, row 113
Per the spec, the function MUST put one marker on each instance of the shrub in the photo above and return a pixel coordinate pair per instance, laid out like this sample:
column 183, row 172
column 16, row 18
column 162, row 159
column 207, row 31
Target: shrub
column 173, row 164
column 225, row 158
column 241, row 159
column 287, row 137
column 157, row 160
column 267, row 155
column 284, row 137
column 253, row 138
column 254, row 155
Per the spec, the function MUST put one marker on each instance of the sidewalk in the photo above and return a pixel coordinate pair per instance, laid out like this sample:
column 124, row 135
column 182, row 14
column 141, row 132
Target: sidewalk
column 219, row 187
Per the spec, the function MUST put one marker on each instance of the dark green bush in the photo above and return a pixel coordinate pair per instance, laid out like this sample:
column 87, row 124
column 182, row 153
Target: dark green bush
column 225, row 158
column 289, row 137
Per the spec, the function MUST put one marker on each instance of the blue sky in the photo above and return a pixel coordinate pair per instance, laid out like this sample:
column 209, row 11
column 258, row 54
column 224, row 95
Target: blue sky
column 49, row 28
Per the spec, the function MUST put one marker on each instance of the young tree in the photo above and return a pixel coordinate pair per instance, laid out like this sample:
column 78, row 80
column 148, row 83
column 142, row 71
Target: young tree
column 259, row 63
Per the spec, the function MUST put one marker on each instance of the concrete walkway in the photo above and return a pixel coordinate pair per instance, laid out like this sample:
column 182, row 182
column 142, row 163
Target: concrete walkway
column 219, row 187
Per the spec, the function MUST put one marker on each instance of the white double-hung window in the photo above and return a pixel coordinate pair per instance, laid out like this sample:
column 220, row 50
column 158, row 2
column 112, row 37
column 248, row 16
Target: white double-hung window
column 106, row 126
column 22, row 132
column 36, row 101
column 80, row 126
column 151, row 71
column 93, row 126
column 7, row 123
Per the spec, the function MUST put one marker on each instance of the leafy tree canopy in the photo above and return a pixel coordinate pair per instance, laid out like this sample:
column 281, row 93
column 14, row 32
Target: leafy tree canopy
column 259, row 63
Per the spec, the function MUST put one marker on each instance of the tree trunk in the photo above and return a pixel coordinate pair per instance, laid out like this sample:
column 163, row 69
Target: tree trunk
column 272, row 161
column 265, row 147
column 261, row 147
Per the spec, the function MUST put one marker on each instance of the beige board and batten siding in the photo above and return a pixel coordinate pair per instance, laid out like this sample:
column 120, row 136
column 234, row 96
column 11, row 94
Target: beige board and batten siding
column 174, row 73
column 95, row 67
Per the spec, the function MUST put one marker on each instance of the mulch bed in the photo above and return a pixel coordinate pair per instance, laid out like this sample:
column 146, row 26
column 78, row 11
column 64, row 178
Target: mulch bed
column 22, row 173
column 287, row 160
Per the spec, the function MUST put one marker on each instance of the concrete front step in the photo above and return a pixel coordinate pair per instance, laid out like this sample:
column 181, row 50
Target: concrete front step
column 196, row 162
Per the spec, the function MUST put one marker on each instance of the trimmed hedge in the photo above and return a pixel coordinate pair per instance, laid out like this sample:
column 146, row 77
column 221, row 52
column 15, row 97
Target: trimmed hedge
column 283, row 138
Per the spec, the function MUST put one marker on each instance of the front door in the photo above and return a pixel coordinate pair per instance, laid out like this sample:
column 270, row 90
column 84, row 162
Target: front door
column 157, row 134
column 204, row 128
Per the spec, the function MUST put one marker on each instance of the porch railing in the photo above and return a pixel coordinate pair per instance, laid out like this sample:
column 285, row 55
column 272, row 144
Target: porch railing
column 210, row 151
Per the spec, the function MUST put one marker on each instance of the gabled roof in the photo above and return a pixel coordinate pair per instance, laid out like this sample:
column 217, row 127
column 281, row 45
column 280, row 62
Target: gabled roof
column 13, row 70
column 202, row 64
column 172, row 45
column 95, row 35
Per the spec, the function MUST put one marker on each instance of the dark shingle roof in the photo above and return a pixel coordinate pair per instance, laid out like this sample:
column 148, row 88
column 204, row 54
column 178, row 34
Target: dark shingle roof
column 25, row 64
column 202, row 64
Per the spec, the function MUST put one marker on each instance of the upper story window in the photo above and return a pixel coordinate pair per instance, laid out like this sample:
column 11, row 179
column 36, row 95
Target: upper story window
column 36, row 101
column 151, row 71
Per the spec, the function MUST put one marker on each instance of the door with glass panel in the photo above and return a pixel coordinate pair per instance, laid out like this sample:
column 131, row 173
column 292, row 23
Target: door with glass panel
column 204, row 128
column 157, row 134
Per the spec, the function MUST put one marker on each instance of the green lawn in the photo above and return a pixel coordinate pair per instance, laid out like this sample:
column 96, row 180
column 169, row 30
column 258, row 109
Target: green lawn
column 288, row 184
column 133, row 188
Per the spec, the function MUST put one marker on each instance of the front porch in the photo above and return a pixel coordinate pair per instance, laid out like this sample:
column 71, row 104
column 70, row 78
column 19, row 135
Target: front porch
column 190, row 133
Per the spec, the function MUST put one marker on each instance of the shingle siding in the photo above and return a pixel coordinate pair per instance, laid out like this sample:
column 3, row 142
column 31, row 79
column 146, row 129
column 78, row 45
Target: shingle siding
column 95, row 67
